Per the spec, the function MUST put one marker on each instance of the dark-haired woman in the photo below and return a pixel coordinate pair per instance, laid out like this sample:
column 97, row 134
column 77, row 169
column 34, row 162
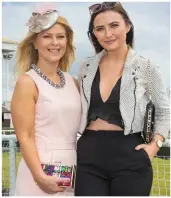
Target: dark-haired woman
column 112, row 158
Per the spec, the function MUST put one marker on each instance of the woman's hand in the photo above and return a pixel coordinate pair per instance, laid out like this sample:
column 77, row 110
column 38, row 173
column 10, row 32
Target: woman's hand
column 49, row 184
column 151, row 149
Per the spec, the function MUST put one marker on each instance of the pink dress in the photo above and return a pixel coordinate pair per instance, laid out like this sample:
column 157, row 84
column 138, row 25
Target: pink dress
column 57, row 119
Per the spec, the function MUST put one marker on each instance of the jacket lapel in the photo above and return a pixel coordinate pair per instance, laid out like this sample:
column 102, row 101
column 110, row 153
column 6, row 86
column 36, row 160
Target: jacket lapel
column 129, row 71
column 90, row 74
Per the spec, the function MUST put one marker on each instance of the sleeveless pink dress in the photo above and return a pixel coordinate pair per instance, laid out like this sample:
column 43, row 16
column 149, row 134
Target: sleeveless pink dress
column 57, row 119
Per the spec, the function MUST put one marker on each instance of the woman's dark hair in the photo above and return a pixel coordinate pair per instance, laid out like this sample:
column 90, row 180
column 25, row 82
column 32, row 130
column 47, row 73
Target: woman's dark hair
column 117, row 8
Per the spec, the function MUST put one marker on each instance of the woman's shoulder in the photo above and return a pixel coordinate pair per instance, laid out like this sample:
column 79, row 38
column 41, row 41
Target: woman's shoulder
column 25, row 80
column 89, row 60
column 69, row 76
column 145, row 62
column 25, row 85
column 83, row 66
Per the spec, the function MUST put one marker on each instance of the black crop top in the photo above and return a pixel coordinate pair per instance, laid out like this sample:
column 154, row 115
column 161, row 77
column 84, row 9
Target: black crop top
column 108, row 110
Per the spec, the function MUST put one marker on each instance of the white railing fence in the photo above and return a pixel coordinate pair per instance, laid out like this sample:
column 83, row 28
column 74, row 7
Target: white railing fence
column 9, row 150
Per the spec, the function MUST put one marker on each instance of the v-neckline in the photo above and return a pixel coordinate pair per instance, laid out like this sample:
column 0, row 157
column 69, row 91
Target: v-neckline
column 111, row 90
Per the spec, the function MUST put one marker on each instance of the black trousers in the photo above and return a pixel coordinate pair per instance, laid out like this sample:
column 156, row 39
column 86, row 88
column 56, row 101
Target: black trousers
column 109, row 165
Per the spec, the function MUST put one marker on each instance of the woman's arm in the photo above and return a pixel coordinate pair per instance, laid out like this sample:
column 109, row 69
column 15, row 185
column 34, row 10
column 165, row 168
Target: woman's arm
column 162, row 112
column 23, row 115
column 161, row 102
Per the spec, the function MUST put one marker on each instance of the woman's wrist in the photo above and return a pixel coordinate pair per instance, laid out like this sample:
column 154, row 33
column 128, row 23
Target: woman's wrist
column 158, row 140
column 39, row 177
column 154, row 145
column 158, row 136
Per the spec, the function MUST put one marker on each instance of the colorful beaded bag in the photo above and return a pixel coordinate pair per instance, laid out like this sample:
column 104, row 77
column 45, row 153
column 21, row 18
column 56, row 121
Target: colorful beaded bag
column 62, row 171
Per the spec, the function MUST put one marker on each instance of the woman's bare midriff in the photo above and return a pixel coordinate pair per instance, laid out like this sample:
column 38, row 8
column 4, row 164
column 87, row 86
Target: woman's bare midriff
column 100, row 124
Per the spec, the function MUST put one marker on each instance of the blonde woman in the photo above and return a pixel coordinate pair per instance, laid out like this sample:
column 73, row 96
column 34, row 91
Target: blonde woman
column 45, row 104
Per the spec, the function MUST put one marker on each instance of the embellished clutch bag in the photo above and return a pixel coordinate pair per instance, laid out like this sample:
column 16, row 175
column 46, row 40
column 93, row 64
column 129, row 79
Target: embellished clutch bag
column 61, row 171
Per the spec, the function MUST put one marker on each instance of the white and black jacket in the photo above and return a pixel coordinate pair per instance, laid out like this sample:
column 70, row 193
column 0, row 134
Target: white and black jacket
column 133, row 93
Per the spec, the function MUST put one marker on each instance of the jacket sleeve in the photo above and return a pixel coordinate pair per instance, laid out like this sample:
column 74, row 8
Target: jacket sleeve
column 161, row 102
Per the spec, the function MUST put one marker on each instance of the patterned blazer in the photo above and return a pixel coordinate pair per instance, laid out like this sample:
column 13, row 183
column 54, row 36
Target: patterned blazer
column 133, row 93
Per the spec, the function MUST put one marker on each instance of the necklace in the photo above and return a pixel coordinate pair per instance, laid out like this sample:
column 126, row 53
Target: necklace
column 42, row 75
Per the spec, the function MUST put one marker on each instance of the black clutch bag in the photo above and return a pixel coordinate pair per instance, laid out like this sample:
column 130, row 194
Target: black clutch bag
column 149, row 122
column 149, row 118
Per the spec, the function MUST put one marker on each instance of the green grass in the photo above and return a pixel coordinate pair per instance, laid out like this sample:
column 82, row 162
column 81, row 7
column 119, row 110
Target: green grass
column 161, row 177
column 161, row 174
column 5, row 168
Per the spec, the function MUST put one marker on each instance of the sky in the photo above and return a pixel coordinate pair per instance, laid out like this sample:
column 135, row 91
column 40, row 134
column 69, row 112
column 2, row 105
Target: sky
column 151, row 22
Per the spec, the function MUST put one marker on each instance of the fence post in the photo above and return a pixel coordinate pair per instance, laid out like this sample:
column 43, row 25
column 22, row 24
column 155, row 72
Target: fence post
column 12, row 161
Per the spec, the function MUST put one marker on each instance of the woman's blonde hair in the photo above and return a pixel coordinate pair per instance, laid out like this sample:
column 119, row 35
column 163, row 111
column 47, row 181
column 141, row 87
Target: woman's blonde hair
column 27, row 54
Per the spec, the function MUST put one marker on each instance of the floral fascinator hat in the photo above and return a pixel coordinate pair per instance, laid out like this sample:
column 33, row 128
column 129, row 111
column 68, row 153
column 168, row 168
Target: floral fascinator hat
column 44, row 18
